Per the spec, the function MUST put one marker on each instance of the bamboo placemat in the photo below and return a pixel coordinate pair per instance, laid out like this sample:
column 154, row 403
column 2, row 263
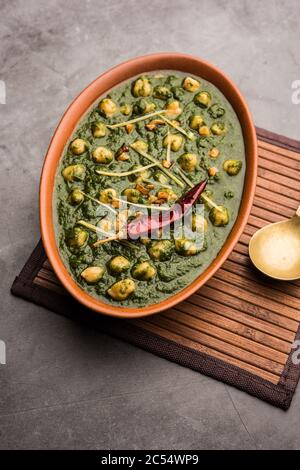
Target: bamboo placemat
column 240, row 326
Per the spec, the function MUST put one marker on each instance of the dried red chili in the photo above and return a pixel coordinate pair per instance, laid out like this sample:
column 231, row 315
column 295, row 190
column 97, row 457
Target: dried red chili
column 142, row 226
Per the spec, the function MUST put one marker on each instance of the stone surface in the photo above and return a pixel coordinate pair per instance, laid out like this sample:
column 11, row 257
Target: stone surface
column 65, row 386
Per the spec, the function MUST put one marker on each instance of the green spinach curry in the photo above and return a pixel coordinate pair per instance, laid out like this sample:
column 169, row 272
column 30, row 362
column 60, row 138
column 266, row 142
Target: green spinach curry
column 148, row 141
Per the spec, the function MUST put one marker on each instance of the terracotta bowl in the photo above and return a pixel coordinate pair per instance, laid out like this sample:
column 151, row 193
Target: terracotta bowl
column 124, row 71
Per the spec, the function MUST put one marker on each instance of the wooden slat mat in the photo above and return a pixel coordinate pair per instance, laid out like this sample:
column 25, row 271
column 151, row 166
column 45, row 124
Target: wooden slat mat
column 240, row 326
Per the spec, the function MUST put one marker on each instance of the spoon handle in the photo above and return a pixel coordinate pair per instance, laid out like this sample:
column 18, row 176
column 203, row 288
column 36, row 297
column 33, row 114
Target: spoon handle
column 298, row 212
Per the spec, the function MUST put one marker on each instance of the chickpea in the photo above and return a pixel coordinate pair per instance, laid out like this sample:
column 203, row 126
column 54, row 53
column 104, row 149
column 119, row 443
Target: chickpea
column 143, row 271
column 98, row 129
column 102, row 155
column 216, row 111
column 144, row 107
column 196, row 121
column 219, row 216
column 203, row 99
column 121, row 290
column 173, row 109
column 162, row 93
column 132, row 195
column 78, row 146
column 110, row 224
column 218, row 128
column 232, row 167
column 105, row 225
column 186, row 247
column 191, row 84
column 152, row 198
column 178, row 93
column 107, row 107
column 76, row 197
column 118, row 265
column 141, row 87
column 108, row 195
column 188, row 162
column 77, row 238
column 92, row 274
column 74, row 173
column 161, row 250
column 126, row 109
column 150, row 107
column 140, row 146
column 174, row 140
column 199, row 223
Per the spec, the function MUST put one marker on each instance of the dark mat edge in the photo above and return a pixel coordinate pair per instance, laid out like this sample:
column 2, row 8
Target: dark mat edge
column 277, row 139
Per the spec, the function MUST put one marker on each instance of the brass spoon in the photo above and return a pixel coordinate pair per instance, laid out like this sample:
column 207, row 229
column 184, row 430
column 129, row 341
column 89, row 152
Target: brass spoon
column 275, row 249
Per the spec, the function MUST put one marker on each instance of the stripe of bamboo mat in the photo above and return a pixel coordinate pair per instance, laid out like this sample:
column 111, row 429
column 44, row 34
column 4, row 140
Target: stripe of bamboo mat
column 239, row 316
column 196, row 346
column 195, row 333
column 280, row 169
column 276, row 153
column 276, row 187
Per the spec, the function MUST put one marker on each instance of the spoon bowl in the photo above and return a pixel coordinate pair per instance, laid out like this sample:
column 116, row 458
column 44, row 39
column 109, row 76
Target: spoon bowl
column 275, row 249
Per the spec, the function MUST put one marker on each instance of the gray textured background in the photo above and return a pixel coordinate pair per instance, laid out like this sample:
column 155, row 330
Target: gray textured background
column 65, row 386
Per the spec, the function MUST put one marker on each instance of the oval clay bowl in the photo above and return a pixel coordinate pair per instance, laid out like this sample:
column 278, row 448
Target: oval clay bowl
column 116, row 75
